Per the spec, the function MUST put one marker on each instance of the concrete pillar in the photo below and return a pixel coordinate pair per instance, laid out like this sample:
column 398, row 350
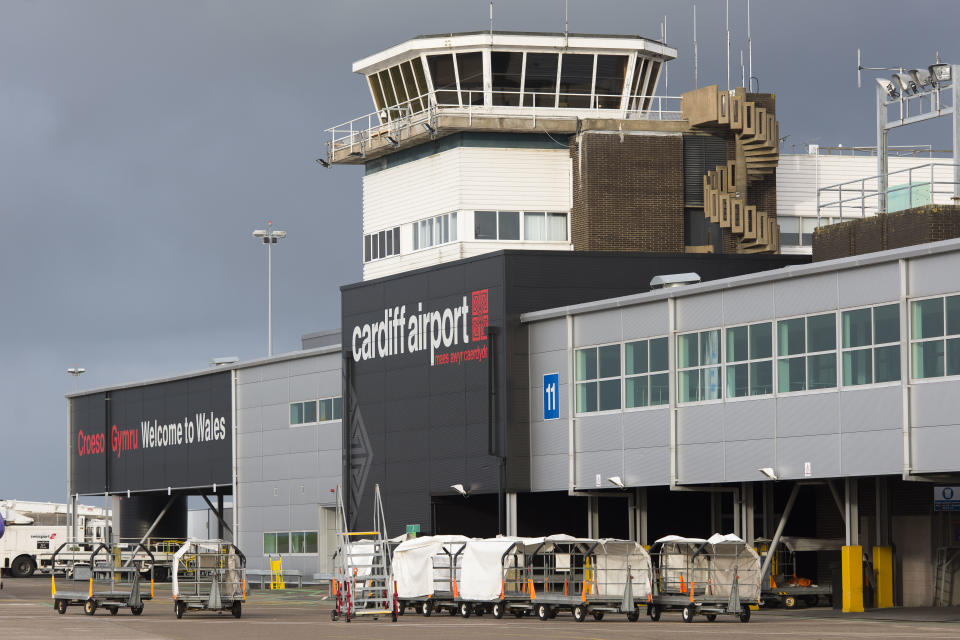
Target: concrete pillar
column 632, row 515
column 511, row 498
column 746, row 496
column 593, row 517
column 221, row 516
column 642, row 516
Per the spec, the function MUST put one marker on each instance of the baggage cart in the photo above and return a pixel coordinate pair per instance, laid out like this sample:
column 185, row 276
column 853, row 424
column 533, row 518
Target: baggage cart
column 209, row 575
column 103, row 582
column 494, row 576
column 784, row 587
column 427, row 573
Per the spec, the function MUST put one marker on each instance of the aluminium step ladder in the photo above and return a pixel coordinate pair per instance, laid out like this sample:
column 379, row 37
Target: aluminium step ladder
column 363, row 578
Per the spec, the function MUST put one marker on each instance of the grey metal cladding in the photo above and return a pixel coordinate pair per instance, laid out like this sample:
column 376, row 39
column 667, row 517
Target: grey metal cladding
column 872, row 452
column 700, row 423
column 248, row 375
column 249, row 469
column 248, row 395
column 743, row 458
column 700, row 463
column 275, row 371
column 276, row 518
column 604, row 463
column 750, row 419
column 700, row 311
column 248, row 445
column 275, row 416
column 822, row 452
column 600, row 432
column 274, row 392
column 869, row 285
column 748, row 304
column 646, row 428
column 544, row 363
column 808, row 414
column 304, row 387
column 249, row 420
column 806, row 295
column 547, row 438
column 935, row 448
column 549, row 335
column 304, row 517
column 930, row 275
column 273, row 444
column 549, row 472
column 645, row 320
column 649, row 466
column 596, row 328
column 870, row 409
column 934, row 403
column 329, row 436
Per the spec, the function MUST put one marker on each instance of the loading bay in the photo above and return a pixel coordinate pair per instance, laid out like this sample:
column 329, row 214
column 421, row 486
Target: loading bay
column 26, row 611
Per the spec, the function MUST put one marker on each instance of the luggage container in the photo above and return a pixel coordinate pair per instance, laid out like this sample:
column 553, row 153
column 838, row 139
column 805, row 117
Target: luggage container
column 784, row 586
column 209, row 575
column 427, row 573
column 103, row 582
column 494, row 576
column 709, row 577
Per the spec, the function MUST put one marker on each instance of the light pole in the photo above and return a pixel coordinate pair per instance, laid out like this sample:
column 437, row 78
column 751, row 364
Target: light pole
column 269, row 238
column 76, row 372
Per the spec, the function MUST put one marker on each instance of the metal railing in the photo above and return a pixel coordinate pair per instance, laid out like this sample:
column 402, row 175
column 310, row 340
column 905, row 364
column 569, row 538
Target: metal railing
column 931, row 183
column 358, row 135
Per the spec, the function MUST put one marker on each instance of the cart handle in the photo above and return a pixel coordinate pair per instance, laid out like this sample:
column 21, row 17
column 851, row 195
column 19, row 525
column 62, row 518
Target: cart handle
column 53, row 558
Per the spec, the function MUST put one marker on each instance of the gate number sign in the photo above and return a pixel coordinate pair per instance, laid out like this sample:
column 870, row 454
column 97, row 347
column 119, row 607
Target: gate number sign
column 551, row 405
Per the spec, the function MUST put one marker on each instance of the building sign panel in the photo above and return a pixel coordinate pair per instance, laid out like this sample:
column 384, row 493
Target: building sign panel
column 551, row 405
column 946, row 498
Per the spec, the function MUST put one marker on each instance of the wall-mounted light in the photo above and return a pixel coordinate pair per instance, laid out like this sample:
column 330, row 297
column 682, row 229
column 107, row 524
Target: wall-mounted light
column 617, row 482
column 769, row 472
column 459, row 488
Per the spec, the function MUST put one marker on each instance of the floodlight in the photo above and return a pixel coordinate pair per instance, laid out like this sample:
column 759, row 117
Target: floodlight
column 323, row 163
column 259, row 233
column 459, row 488
column 429, row 128
column 392, row 140
column 889, row 87
column 615, row 480
column 939, row 72
column 922, row 77
column 904, row 82
column 768, row 471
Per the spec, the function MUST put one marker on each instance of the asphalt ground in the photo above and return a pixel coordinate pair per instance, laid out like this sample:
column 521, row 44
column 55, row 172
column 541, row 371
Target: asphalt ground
column 27, row 613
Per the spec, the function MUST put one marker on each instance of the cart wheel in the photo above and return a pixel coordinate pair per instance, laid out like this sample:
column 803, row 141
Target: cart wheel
column 580, row 613
column 465, row 610
column 597, row 615
column 61, row 606
column 519, row 613
column 633, row 616
column 333, row 615
column 687, row 614
column 453, row 610
column 136, row 610
column 711, row 617
column 90, row 607
column 745, row 614
column 789, row 602
column 401, row 608
column 237, row 609
column 543, row 612
column 113, row 610
column 654, row 612
column 497, row 610
column 179, row 607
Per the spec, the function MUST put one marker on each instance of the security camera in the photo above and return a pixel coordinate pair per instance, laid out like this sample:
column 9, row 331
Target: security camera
column 459, row 488
column 889, row 87
column 769, row 472
column 616, row 481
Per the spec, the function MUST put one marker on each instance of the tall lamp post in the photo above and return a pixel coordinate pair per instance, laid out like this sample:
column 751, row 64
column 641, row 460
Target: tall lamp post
column 269, row 236
column 76, row 372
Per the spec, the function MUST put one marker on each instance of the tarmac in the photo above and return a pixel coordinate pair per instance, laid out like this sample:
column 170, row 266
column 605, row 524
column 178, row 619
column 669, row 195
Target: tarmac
column 26, row 611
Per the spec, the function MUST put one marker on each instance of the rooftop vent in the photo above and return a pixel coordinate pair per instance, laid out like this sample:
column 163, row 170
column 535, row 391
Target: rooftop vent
column 219, row 362
column 674, row 280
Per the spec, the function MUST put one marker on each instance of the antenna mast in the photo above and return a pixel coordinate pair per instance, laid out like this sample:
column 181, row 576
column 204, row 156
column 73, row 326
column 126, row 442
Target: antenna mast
column 696, row 76
column 728, row 45
column 666, row 64
column 749, row 51
column 566, row 22
column 491, row 18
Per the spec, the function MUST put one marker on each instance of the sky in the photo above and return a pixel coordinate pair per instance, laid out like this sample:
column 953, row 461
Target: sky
column 141, row 142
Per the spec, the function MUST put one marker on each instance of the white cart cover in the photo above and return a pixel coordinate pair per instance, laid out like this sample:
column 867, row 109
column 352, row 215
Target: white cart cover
column 483, row 564
column 612, row 558
column 731, row 557
column 413, row 563
column 230, row 579
column 678, row 567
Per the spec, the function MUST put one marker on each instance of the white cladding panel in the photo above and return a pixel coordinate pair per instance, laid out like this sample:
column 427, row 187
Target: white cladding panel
column 418, row 189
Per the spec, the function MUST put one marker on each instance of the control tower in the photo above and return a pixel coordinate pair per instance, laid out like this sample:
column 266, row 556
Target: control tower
column 505, row 140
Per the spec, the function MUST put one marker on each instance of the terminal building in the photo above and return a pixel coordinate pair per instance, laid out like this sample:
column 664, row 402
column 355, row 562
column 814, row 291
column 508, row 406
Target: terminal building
column 507, row 366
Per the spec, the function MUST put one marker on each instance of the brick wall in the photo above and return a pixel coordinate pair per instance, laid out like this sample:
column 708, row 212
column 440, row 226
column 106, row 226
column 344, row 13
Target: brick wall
column 919, row 225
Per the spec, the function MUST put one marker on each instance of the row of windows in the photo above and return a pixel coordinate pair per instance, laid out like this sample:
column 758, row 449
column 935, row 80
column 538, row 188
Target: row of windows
column 313, row 411
column 381, row 245
column 287, row 542
column 798, row 231
column 644, row 376
column 505, row 225
column 430, row 232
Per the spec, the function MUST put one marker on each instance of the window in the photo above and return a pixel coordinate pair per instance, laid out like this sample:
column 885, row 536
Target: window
column 284, row 542
column 750, row 360
column 276, row 543
column 485, row 225
column 935, row 337
column 540, row 80
column 506, row 68
column 611, row 71
column 598, row 378
column 576, row 80
column 303, row 542
column 647, row 379
column 430, row 232
column 470, row 66
column 698, row 366
column 870, row 340
column 306, row 412
column 381, row 244
column 538, row 226
column 806, row 350
column 444, row 79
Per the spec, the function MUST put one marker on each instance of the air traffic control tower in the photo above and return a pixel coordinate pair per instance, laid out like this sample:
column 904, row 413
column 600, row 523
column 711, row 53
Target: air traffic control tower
column 503, row 140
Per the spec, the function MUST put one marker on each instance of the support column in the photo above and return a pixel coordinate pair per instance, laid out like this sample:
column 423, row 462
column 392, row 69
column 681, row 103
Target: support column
column 73, row 522
column 642, row 516
column 737, row 513
column 511, row 497
column 767, row 499
column 852, row 553
column 593, row 517
column 746, row 496
column 220, row 518
column 632, row 515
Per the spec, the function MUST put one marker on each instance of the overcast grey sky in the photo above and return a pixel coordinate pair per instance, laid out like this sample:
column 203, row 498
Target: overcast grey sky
column 142, row 141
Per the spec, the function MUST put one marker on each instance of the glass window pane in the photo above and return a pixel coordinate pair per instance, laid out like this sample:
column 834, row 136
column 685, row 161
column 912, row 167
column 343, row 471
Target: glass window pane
column 710, row 383
column 609, row 85
column 687, row 350
column 688, row 385
column 789, row 230
column 761, row 340
column 886, row 324
column 310, row 542
column 296, row 413
column 509, row 225
column 737, row 382
column 610, row 395
column 659, row 389
column 927, row 359
column 576, row 77
column 507, row 70
column 445, row 223
column 886, row 364
column 296, row 542
column 541, row 79
column 337, row 408
column 926, row 318
column 310, row 411
column 389, row 97
column 761, row 378
column 609, row 361
column 953, row 315
column 857, row 367
column 658, row 354
column 587, row 397
column 736, row 344
column 269, row 543
column 953, row 356
column 821, row 333
column 636, row 392
column 413, row 91
column 807, row 226
column 366, row 248
column 557, row 227
column 856, row 328
column 710, row 347
column 586, row 364
column 635, row 356
column 470, row 66
column 791, row 374
column 283, row 543
column 485, row 225
column 822, row 371
column 453, row 227
column 400, row 89
column 790, row 339
column 534, row 226
column 441, row 70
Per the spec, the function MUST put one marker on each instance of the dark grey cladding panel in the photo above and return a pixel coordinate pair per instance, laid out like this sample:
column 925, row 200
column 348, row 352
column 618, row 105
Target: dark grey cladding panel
column 403, row 384
column 446, row 442
column 397, row 451
column 403, row 415
column 446, row 410
column 482, row 472
column 445, row 472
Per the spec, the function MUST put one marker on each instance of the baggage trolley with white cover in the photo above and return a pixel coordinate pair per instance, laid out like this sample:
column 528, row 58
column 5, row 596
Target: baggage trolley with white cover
column 427, row 573
column 102, row 583
column 621, row 581
column 209, row 575
column 494, row 575
column 710, row 577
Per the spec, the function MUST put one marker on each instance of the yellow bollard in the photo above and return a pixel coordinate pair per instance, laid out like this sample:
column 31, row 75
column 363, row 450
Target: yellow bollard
column 883, row 564
column 852, row 568
column 53, row 587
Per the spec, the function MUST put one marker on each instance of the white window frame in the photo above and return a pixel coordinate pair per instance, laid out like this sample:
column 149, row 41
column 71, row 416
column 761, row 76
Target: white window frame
column 911, row 341
column 749, row 361
column 699, row 366
column 805, row 354
column 523, row 235
column 872, row 347
column 626, row 376
column 316, row 402
column 597, row 380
